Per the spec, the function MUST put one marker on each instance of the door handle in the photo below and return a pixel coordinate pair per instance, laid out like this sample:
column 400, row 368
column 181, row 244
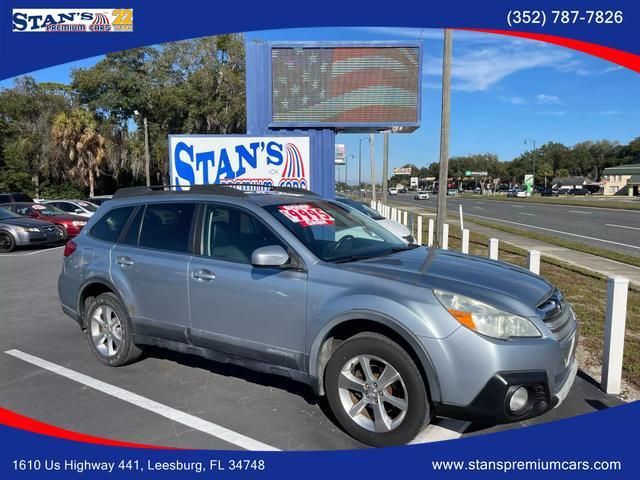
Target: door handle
column 124, row 261
column 202, row 274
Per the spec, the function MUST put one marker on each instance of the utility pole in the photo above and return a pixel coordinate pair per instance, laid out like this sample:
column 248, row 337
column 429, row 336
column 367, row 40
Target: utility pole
column 147, row 159
column 443, row 183
column 533, row 155
column 373, row 168
column 385, row 167
column 360, row 165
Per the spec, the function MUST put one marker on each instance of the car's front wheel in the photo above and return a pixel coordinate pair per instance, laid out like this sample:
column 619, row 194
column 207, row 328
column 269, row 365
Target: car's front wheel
column 7, row 242
column 109, row 331
column 375, row 391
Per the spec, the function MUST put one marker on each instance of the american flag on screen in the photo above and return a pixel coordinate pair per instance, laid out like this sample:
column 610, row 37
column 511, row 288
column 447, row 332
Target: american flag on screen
column 345, row 85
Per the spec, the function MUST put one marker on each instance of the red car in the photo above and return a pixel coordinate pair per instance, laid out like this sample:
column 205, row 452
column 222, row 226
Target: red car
column 70, row 224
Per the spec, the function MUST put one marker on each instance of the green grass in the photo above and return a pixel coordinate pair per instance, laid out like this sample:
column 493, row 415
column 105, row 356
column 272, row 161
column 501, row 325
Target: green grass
column 634, row 205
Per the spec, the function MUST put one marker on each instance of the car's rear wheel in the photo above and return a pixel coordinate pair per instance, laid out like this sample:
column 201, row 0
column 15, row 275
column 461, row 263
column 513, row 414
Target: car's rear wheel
column 109, row 331
column 7, row 242
column 375, row 391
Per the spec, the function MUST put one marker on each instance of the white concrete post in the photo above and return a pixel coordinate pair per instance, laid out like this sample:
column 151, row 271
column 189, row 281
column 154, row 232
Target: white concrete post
column 614, row 328
column 393, row 214
column 493, row 248
column 405, row 220
column 534, row 261
column 387, row 211
column 465, row 241
column 419, row 232
column 445, row 236
column 373, row 204
column 430, row 237
column 461, row 219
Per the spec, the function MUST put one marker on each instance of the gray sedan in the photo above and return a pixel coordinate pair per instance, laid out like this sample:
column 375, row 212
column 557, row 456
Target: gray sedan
column 17, row 231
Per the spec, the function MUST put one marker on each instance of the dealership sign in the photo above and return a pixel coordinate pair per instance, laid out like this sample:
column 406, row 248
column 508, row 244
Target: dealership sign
column 402, row 171
column 341, row 159
column 239, row 160
column 72, row 20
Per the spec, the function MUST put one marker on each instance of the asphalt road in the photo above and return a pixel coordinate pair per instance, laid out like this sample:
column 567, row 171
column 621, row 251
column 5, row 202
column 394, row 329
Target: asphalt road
column 608, row 228
column 47, row 372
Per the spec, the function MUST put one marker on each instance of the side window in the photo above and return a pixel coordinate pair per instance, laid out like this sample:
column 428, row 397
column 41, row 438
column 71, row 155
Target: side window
column 5, row 198
column 65, row 206
column 233, row 234
column 167, row 226
column 108, row 228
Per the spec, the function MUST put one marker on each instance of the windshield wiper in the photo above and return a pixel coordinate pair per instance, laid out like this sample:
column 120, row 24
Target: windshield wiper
column 410, row 246
column 352, row 258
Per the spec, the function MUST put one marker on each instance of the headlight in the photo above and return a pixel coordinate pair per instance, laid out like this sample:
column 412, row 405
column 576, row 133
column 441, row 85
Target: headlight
column 485, row 319
column 78, row 223
column 27, row 229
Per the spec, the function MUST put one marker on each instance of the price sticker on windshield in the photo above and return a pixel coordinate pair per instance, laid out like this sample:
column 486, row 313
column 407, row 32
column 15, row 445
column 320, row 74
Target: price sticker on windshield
column 37, row 206
column 306, row 215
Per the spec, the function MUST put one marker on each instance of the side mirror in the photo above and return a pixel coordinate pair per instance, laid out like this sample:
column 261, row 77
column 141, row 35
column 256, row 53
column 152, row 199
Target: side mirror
column 269, row 256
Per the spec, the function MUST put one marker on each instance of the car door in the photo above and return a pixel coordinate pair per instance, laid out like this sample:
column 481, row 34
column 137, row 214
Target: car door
column 241, row 310
column 150, row 265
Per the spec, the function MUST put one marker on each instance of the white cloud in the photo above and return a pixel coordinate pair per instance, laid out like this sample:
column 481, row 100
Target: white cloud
column 548, row 99
column 477, row 69
column 554, row 113
column 513, row 100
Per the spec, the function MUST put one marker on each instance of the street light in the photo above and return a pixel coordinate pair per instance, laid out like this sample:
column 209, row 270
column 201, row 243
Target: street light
column 534, row 158
column 360, row 162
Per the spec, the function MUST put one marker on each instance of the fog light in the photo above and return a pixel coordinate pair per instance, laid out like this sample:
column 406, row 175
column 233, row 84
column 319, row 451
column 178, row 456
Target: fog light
column 519, row 400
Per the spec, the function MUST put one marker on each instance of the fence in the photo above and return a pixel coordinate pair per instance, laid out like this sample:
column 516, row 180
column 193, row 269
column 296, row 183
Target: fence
column 617, row 289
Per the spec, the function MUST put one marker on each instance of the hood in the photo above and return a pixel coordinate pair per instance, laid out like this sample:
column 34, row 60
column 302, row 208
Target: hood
column 504, row 286
column 68, row 218
column 398, row 229
column 25, row 222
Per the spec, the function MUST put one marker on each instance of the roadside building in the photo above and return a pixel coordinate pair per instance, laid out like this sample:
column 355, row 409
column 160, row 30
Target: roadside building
column 569, row 183
column 622, row 180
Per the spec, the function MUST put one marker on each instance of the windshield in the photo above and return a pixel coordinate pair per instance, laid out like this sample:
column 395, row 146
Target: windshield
column 90, row 207
column 335, row 232
column 361, row 207
column 5, row 214
column 41, row 208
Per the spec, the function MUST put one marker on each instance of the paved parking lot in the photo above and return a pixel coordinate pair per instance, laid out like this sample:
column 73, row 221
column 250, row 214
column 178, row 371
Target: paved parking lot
column 47, row 372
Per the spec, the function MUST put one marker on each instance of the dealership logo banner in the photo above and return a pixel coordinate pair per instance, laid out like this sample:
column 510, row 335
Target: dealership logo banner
column 239, row 160
column 72, row 20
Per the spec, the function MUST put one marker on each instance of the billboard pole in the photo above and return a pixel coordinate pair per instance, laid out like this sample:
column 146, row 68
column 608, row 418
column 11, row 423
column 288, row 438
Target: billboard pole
column 443, row 184
column 373, row 168
column 385, row 167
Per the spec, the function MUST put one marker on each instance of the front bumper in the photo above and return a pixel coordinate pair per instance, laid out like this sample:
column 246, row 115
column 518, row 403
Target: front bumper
column 477, row 375
column 24, row 239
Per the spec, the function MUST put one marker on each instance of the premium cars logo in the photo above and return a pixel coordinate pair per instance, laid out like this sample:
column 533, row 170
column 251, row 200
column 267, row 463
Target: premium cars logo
column 72, row 20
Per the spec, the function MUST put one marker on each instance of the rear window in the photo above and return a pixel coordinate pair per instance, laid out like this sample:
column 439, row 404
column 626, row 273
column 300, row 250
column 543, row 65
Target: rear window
column 109, row 227
column 167, row 226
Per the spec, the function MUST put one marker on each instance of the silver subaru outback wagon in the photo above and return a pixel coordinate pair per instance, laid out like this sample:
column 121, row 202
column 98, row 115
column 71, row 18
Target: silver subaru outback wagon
column 288, row 283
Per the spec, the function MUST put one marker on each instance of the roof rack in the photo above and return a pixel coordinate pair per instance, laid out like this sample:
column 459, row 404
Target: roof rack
column 232, row 190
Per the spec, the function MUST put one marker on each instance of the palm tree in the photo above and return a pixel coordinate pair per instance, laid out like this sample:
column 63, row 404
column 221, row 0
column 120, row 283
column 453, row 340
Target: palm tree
column 76, row 134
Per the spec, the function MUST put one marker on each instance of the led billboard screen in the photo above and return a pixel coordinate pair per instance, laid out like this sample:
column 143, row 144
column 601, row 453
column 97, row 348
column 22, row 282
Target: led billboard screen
column 350, row 86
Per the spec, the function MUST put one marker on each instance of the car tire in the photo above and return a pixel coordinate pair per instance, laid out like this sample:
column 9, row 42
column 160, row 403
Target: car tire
column 63, row 229
column 347, row 389
column 7, row 242
column 109, row 332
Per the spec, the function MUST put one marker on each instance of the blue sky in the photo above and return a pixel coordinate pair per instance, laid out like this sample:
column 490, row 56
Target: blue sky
column 504, row 90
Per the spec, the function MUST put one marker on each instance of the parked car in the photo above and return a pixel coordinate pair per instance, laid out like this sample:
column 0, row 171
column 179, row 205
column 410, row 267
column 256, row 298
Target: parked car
column 70, row 224
column 398, row 229
column 391, row 333
column 517, row 193
column 393, row 191
column 17, row 231
column 579, row 191
column 14, row 197
column 548, row 192
column 74, row 207
column 421, row 195
column 99, row 199
column 452, row 192
column 402, row 190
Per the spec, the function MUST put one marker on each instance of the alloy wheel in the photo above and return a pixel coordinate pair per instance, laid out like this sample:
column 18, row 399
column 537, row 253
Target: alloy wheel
column 106, row 330
column 373, row 393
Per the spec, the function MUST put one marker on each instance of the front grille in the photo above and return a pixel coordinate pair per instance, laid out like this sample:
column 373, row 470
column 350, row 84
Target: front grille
column 50, row 229
column 557, row 315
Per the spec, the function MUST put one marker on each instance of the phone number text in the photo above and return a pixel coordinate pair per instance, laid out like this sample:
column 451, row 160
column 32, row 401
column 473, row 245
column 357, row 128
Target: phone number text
column 541, row 17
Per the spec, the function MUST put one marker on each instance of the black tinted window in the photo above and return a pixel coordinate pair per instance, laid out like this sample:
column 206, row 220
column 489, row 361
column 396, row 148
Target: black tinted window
column 108, row 228
column 5, row 198
column 167, row 226
column 232, row 234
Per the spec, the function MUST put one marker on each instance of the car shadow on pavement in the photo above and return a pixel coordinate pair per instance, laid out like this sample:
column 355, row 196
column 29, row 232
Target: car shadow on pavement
column 235, row 371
